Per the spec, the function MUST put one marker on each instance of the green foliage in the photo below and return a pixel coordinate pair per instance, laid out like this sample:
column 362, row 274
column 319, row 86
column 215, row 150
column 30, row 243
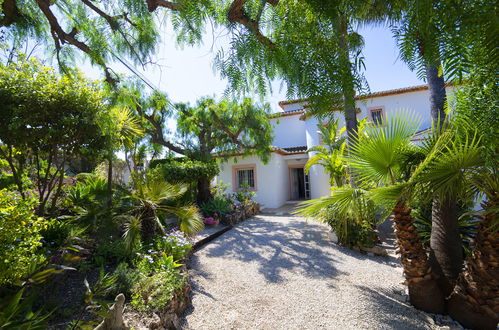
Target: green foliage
column 330, row 155
column 88, row 200
column 155, row 198
column 175, row 244
column 349, row 212
column 216, row 205
column 155, row 291
column 20, row 235
column 110, row 252
column 244, row 195
column 468, row 225
column 185, row 170
column 16, row 313
column 125, row 277
column 47, row 120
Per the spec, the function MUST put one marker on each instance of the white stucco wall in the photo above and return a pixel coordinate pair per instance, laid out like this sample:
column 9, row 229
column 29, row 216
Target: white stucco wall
column 416, row 102
column 271, row 178
column 289, row 131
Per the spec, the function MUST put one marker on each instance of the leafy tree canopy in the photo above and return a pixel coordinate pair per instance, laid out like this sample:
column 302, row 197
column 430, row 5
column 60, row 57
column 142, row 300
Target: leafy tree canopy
column 47, row 119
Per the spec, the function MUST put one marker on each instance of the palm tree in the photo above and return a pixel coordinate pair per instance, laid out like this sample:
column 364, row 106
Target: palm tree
column 451, row 38
column 458, row 168
column 154, row 198
column 379, row 160
column 122, row 130
column 330, row 154
column 474, row 301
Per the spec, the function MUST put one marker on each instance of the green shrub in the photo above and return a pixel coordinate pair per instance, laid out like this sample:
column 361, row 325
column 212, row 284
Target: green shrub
column 125, row 278
column 155, row 292
column 184, row 170
column 110, row 252
column 216, row 205
column 244, row 196
column 20, row 236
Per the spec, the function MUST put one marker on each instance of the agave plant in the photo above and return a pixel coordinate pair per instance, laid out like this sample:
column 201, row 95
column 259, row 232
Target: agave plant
column 155, row 197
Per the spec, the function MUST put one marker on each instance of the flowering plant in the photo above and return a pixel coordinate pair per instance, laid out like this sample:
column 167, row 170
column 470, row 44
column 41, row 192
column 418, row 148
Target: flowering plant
column 174, row 243
column 237, row 205
column 210, row 221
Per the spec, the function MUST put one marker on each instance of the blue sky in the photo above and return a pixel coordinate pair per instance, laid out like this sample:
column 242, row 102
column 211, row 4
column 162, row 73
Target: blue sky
column 187, row 74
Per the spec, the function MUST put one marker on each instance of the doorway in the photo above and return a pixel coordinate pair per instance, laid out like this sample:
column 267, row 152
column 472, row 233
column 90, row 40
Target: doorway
column 299, row 184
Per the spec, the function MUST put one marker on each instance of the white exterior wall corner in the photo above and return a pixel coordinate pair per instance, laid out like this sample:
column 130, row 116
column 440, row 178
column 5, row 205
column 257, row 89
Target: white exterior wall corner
column 272, row 179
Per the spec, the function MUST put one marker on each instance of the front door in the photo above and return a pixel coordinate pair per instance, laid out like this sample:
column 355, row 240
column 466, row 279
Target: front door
column 299, row 184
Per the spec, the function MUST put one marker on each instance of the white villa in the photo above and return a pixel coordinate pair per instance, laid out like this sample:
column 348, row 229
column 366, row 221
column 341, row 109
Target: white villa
column 282, row 179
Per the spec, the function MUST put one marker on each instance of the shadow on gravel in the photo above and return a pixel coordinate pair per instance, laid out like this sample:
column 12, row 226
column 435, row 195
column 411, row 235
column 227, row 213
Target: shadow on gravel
column 277, row 246
column 389, row 311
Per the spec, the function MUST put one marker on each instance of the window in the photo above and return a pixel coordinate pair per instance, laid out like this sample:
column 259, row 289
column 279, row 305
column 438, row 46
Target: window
column 244, row 177
column 377, row 115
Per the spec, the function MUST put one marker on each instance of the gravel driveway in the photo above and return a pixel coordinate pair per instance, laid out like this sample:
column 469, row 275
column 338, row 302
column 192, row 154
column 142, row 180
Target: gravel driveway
column 281, row 272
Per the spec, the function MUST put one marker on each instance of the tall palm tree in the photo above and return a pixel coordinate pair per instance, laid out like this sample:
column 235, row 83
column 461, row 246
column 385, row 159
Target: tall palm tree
column 379, row 160
column 451, row 38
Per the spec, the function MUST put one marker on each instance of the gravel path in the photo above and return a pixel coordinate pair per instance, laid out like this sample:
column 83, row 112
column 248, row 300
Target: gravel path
column 281, row 272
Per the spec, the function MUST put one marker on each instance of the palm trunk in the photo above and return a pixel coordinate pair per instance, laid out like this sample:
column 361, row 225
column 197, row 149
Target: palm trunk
column 348, row 81
column 446, row 251
column 436, row 87
column 475, row 300
column 424, row 292
column 348, row 90
column 446, row 255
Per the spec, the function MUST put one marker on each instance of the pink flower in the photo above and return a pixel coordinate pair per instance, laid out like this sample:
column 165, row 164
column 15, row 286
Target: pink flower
column 215, row 215
column 210, row 221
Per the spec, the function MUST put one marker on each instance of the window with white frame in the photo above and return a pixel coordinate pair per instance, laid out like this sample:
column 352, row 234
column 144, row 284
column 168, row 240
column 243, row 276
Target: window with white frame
column 377, row 115
column 245, row 178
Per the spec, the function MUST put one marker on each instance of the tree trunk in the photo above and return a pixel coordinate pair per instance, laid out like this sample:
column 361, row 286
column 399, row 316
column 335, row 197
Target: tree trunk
column 348, row 81
column 446, row 251
column 424, row 292
column 446, row 254
column 110, row 181
column 204, row 192
column 475, row 300
column 436, row 87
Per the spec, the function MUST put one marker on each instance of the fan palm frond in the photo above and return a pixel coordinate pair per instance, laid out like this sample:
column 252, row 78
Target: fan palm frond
column 450, row 171
column 189, row 218
column 378, row 156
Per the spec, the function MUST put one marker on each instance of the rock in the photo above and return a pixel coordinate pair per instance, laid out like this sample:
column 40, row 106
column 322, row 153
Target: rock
column 376, row 250
column 332, row 236
column 370, row 254
column 114, row 321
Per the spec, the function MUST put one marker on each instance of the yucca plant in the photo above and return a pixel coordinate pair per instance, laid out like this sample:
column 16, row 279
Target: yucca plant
column 154, row 197
column 378, row 158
